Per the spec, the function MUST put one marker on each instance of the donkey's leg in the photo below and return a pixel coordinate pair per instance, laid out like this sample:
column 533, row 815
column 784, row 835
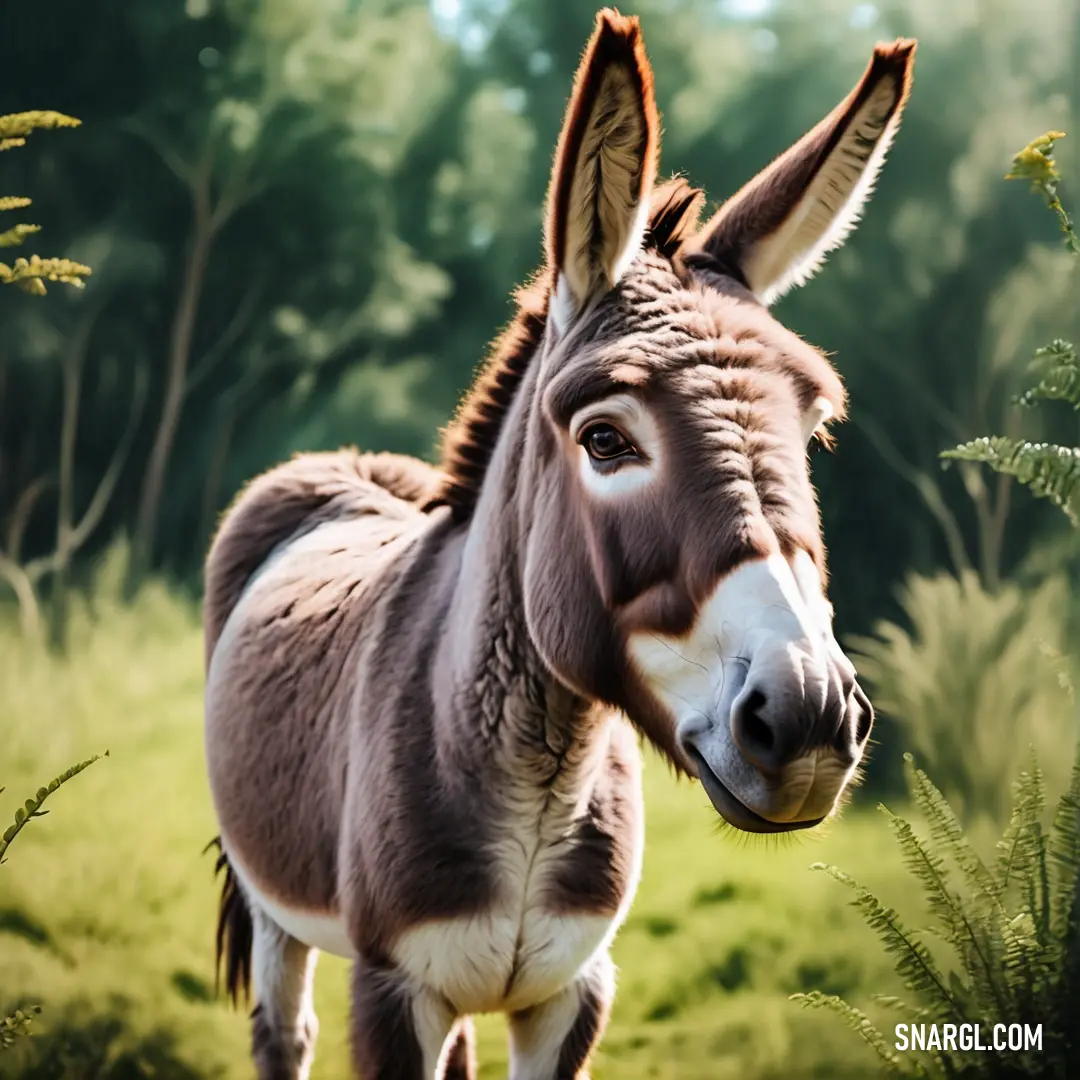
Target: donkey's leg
column 399, row 1031
column 554, row 1040
column 460, row 1060
column 283, row 1023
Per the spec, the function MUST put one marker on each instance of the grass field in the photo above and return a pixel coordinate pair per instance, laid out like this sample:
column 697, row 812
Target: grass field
column 107, row 905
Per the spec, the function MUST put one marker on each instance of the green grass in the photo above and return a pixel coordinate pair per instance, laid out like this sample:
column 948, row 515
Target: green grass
column 111, row 897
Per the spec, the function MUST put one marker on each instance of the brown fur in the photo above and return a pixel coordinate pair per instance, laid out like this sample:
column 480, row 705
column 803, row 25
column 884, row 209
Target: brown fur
column 415, row 674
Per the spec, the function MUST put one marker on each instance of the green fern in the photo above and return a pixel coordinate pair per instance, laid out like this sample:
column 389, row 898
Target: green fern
column 1035, row 163
column 32, row 807
column 1060, row 381
column 18, row 1023
column 32, row 273
column 1048, row 470
column 1012, row 933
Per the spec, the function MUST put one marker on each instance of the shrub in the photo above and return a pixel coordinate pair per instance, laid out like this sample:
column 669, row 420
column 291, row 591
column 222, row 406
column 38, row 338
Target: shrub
column 1013, row 933
column 970, row 684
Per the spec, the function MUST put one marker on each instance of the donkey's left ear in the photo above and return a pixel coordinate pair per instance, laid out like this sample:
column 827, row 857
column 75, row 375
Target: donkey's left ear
column 777, row 230
column 605, row 166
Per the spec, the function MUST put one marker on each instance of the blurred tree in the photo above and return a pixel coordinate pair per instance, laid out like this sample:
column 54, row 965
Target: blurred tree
column 308, row 218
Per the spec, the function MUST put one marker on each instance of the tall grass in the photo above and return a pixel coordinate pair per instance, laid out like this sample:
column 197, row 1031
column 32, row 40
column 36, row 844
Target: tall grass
column 971, row 683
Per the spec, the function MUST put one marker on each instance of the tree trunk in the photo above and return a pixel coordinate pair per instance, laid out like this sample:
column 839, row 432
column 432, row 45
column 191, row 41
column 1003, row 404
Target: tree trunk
column 74, row 362
column 183, row 325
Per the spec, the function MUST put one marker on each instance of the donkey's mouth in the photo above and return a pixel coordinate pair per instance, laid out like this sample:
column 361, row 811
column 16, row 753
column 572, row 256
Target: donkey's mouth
column 734, row 811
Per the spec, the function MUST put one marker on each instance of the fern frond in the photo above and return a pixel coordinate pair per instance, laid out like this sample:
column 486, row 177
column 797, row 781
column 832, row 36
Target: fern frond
column 14, row 127
column 858, row 1021
column 913, row 961
column 1052, row 472
column 1059, row 365
column 16, row 234
column 946, row 830
column 1018, row 849
column 895, row 1004
column 1035, row 163
column 1064, row 850
column 32, row 807
column 1028, row 966
column 14, row 202
column 966, row 932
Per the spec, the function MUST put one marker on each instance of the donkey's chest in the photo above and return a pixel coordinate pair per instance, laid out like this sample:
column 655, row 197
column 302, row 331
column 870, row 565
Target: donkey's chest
column 534, row 938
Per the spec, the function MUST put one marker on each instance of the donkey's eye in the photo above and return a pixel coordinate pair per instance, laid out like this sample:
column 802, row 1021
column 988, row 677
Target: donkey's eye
column 603, row 442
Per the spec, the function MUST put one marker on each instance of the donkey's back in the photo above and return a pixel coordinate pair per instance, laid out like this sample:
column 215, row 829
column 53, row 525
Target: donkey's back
column 306, row 492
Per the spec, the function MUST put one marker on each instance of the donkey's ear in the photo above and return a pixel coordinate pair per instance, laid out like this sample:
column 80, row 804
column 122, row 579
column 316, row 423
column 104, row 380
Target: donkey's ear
column 777, row 230
column 605, row 166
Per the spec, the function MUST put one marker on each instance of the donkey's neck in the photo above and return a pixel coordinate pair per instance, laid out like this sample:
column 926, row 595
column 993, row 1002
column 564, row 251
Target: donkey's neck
column 503, row 701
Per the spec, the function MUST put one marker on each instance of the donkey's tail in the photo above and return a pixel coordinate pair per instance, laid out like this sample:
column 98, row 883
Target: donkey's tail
column 279, row 504
column 234, row 932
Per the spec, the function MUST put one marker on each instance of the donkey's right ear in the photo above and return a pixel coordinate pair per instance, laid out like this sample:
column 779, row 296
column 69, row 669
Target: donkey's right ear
column 605, row 166
column 777, row 230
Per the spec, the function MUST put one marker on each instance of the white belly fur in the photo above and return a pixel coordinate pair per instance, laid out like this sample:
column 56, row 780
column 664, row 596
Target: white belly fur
column 320, row 930
column 474, row 961
column 470, row 961
column 519, row 953
column 490, row 962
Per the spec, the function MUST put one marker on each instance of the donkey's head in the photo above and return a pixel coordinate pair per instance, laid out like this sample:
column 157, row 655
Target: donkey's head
column 673, row 562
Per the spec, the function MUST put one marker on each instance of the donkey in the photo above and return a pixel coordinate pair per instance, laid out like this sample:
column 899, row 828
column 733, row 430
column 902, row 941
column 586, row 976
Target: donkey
column 425, row 685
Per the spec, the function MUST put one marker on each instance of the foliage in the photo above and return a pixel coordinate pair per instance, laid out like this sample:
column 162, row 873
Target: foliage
column 1035, row 163
column 1014, row 932
column 968, row 679
column 32, row 807
column 100, row 1042
column 1048, row 470
column 18, row 1022
column 31, row 274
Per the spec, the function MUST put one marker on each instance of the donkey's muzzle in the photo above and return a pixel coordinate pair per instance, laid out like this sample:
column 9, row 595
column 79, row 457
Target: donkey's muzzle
column 733, row 810
column 784, row 740
column 779, row 718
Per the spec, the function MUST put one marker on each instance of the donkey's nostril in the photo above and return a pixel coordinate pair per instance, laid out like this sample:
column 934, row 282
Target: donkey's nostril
column 763, row 738
column 754, row 728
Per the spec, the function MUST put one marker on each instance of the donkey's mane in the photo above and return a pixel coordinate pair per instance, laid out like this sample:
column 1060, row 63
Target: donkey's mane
column 468, row 441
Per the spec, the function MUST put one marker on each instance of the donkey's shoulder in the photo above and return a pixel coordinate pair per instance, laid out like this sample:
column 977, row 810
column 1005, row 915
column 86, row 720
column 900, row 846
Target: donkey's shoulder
column 300, row 494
